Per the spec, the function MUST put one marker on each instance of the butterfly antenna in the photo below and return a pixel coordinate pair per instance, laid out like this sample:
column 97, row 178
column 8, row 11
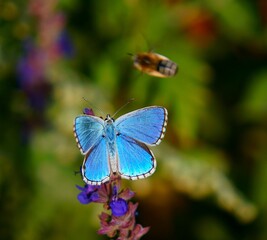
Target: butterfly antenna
column 124, row 105
column 98, row 109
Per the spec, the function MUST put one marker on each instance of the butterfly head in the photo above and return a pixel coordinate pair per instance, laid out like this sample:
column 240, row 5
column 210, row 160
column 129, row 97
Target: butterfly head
column 109, row 119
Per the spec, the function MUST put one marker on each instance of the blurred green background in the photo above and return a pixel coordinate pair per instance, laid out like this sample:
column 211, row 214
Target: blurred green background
column 212, row 165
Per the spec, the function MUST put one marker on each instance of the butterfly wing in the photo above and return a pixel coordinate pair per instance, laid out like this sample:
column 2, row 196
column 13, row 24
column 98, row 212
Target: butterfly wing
column 87, row 130
column 135, row 159
column 146, row 125
column 95, row 168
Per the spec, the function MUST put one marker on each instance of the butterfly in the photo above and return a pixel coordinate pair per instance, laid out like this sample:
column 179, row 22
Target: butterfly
column 119, row 147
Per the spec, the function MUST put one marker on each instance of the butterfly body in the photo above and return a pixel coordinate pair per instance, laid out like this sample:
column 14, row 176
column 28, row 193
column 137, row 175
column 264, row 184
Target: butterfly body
column 119, row 147
column 110, row 135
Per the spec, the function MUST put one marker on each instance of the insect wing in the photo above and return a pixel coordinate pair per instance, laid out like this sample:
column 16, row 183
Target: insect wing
column 95, row 169
column 87, row 130
column 135, row 159
column 146, row 125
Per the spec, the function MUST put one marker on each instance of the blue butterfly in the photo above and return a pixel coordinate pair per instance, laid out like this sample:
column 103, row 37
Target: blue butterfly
column 119, row 147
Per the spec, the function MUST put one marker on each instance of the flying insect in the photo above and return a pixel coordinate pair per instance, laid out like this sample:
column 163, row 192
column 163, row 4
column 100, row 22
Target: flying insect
column 155, row 64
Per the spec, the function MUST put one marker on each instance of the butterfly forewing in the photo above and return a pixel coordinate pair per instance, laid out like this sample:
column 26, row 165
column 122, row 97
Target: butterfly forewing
column 146, row 125
column 88, row 130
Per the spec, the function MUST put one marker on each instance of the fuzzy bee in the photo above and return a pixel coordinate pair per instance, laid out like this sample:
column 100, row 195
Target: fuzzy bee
column 155, row 64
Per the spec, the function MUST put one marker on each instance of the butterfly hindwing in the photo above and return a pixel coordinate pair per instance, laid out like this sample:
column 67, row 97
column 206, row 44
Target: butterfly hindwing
column 146, row 125
column 135, row 160
column 88, row 130
column 95, row 168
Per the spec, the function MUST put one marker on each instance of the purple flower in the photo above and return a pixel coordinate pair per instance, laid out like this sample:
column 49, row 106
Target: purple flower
column 88, row 111
column 30, row 67
column 65, row 44
column 118, row 207
column 89, row 194
column 123, row 227
column 121, row 223
column 139, row 231
column 50, row 44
